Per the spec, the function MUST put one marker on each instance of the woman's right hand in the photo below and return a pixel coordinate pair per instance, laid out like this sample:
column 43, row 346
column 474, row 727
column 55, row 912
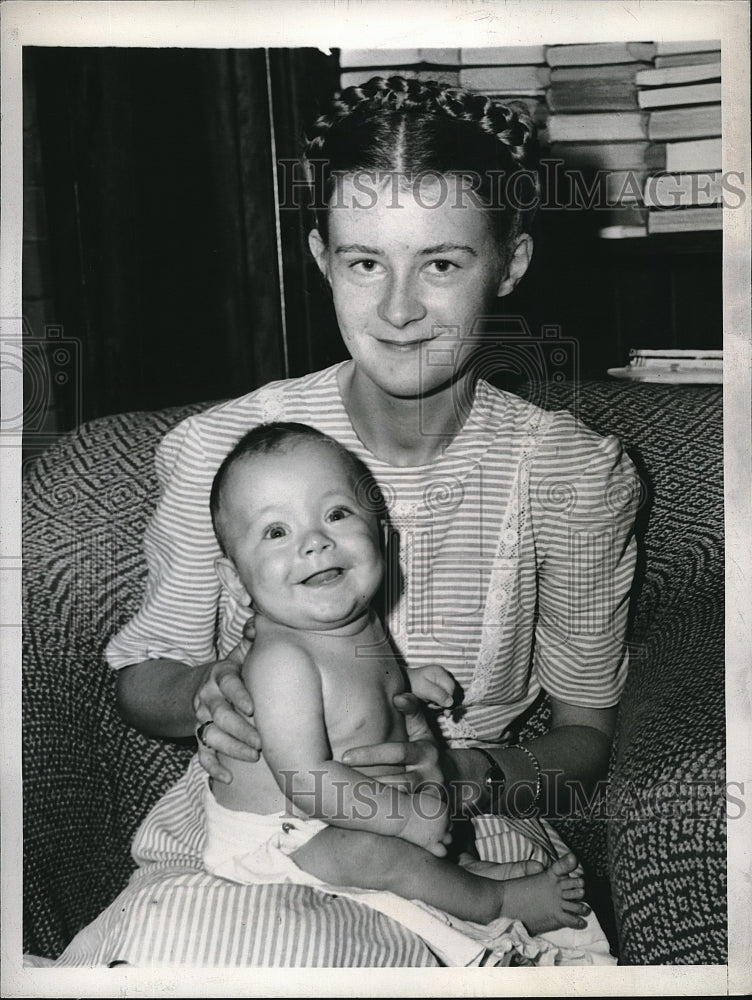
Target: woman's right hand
column 222, row 699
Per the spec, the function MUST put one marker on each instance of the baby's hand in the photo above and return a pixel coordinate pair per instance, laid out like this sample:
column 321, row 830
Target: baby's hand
column 433, row 684
column 428, row 823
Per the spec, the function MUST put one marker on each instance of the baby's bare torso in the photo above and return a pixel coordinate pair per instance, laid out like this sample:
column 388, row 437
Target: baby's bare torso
column 359, row 676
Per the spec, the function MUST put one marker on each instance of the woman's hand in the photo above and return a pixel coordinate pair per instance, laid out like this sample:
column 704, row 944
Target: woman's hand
column 415, row 762
column 222, row 699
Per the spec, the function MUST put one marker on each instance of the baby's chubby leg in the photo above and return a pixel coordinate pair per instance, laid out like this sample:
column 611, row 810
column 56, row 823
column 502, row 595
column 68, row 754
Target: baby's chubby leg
column 543, row 902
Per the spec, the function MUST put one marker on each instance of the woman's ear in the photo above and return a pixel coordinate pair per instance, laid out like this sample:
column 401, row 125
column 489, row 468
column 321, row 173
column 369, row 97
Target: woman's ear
column 517, row 265
column 228, row 577
column 318, row 249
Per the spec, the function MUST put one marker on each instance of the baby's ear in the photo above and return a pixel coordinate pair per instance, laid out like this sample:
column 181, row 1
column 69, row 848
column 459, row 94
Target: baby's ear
column 228, row 577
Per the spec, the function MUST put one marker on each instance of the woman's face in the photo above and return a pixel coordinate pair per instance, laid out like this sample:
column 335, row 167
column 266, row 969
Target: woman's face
column 411, row 272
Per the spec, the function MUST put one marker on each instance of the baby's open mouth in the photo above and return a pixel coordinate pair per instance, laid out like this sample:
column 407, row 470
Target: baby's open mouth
column 323, row 577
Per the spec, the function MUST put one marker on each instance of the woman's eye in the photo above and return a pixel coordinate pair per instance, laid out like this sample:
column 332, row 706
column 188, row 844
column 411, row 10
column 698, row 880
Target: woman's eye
column 365, row 266
column 275, row 531
column 443, row 266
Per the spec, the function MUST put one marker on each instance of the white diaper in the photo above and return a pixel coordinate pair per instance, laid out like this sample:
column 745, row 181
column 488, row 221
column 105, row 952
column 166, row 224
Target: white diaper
column 250, row 848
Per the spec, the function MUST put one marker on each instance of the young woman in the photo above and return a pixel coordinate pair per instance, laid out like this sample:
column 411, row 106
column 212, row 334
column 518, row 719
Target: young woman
column 512, row 538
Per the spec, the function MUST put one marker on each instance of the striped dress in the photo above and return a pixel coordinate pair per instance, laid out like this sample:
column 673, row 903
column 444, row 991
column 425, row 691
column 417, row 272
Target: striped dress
column 510, row 561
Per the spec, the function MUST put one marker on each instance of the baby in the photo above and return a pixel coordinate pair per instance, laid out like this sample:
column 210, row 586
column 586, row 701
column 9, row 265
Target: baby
column 294, row 516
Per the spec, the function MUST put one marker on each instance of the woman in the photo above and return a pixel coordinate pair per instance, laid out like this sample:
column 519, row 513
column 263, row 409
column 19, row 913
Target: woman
column 423, row 225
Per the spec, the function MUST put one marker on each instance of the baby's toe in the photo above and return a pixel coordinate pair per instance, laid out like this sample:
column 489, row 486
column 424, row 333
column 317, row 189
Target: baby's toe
column 565, row 864
column 571, row 906
column 572, row 891
column 532, row 867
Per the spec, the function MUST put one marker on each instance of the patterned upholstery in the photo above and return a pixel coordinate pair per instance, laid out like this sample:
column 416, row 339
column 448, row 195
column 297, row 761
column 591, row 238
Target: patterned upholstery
column 89, row 780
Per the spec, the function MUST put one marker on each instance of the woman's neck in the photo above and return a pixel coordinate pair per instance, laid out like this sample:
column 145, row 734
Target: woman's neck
column 404, row 431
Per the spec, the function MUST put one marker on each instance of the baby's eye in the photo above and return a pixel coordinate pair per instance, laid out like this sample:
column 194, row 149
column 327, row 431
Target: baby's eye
column 339, row 513
column 275, row 531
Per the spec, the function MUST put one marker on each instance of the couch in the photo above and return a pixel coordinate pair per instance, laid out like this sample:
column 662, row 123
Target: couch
column 656, row 840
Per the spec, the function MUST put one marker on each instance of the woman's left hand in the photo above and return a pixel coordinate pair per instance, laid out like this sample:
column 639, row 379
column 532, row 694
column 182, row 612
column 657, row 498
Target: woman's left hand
column 416, row 761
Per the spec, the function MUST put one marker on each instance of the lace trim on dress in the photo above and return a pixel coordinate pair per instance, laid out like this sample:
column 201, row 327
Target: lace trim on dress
column 503, row 579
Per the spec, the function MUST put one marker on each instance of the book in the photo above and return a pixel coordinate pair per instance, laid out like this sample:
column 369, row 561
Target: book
column 601, row 155
column 667, row 48
column 354, row 78
column 507, row 55
column 676, row 190
column 690, row 219
column 623, row 187
column 700, row 93
column 622, row 221
column 672, row 366
column 685, row 123
column 685, row 157
column 355, row 58
column 600, row 53
column 358, row 58
column 622, row 232
column 593, row 95
column 603, row 127
column 601, row 74
column 498, row 79
column 677, row 74
column 686, row 59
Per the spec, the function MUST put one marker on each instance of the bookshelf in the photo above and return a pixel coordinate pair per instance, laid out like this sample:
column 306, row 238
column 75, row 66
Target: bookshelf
column 642, row 118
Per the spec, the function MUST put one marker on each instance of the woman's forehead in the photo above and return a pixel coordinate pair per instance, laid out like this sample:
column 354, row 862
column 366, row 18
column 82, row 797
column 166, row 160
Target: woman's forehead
column 433, row 209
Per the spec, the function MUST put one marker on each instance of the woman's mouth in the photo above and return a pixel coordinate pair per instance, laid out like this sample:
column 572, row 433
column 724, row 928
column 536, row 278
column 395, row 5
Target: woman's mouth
column 404, row 346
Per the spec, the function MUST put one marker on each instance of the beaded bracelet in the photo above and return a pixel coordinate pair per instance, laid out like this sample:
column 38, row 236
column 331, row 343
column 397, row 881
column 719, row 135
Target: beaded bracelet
column 538, row 783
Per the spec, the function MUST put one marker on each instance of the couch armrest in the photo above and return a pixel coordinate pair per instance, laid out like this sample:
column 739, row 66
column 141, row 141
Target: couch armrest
column 666, row 803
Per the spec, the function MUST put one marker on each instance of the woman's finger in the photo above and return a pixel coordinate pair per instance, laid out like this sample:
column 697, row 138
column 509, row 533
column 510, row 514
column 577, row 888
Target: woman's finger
column 236, row 693
column 380, row 753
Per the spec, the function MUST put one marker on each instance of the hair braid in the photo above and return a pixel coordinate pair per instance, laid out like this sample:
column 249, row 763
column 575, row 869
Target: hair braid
column 513, row 127
column 413, row 127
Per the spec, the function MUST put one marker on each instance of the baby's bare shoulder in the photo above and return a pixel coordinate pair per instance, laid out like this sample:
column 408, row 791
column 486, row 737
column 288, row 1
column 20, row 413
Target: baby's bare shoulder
column 283, row 655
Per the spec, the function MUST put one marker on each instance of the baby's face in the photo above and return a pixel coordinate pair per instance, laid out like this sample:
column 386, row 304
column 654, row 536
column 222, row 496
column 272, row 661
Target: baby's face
column 302, row 545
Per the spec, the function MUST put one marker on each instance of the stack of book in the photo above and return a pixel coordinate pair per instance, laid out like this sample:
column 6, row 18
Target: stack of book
column 682, row 100
column 673, row 366
column 517, row 75
column 615, row 115
column 359, row 65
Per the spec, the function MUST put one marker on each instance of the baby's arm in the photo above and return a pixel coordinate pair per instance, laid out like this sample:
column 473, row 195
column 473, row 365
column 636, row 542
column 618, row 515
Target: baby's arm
column 433, row 684
column 285, row 685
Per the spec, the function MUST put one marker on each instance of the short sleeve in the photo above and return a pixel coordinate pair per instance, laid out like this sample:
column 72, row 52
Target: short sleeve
column 584, row 493
column 177, row 619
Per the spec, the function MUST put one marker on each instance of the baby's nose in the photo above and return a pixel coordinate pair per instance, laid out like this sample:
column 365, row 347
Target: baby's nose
column 316, row 541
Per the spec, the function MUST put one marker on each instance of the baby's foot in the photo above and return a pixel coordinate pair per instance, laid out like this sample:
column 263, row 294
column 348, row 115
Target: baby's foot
column 501, row 871
column 549, row 900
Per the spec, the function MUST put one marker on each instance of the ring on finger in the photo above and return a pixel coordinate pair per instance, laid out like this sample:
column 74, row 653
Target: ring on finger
column 201, row 733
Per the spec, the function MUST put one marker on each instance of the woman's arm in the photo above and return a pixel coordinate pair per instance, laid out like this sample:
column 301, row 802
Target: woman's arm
column 572, row 756
column 166, row 698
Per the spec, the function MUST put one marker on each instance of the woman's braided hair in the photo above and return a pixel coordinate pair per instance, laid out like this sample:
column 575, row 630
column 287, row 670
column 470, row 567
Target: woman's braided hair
column 416, row 127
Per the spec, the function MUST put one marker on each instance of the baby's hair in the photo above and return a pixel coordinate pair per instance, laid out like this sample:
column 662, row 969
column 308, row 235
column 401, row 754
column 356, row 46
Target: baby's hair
column 280, row 435
column 414, row 128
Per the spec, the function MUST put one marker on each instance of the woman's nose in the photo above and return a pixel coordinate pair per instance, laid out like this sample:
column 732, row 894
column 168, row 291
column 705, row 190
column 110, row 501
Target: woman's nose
column 401, row 303
column 315, row 541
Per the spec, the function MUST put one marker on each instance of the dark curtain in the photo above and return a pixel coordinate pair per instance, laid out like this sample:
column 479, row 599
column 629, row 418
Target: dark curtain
column 166, row 269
